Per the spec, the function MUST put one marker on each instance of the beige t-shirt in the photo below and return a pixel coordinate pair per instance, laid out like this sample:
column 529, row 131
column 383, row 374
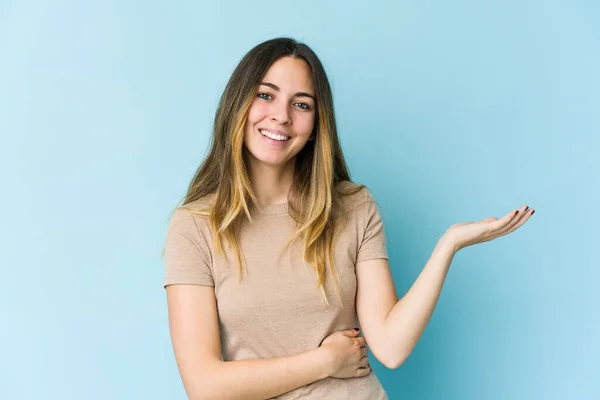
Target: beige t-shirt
column 276, row 310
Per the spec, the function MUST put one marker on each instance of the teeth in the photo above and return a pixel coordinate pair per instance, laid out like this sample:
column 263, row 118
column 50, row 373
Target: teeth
column 273, row 136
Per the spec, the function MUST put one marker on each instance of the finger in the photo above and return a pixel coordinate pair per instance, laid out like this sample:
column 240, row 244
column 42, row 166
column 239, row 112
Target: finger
column 364, row 352
column 361, row 341
column 515, row 218
column 364, row 371
column 523, row 216
column 503, row 222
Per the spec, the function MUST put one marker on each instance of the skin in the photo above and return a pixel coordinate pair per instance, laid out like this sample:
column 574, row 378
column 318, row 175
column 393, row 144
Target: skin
column 464, row 234
column 392, row 327
column 271, row 167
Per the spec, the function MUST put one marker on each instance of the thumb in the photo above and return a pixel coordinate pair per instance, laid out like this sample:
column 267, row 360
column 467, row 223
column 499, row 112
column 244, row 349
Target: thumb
column 352, row 332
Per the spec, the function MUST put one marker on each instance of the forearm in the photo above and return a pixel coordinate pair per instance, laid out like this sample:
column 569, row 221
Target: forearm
column 263, row 378
column 407, row 320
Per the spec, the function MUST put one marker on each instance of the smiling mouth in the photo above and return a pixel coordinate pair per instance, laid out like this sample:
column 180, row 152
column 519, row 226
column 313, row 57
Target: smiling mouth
column 273, row 136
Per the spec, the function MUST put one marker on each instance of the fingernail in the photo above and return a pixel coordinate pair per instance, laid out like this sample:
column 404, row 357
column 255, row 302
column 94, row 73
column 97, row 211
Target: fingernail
column 356, row 329
column 532, row 212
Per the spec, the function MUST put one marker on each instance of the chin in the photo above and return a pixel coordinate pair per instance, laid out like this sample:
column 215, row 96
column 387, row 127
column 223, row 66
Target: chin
column 258, row 157
column 271, row 162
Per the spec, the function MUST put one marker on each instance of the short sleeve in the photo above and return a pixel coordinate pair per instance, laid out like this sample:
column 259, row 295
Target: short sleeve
column 187, row 257
column 373, row 243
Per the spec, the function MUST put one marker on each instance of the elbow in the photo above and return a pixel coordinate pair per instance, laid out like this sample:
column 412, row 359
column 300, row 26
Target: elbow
column 200, row 396
column 206, row 388
column 198, row 393
column 393, row 364
column 389, row 357
column 205, row 395
column 393, row 359
column 209, row 393
column 395, row 354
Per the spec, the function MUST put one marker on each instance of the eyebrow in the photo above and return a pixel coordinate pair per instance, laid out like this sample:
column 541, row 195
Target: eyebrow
column 299, row 94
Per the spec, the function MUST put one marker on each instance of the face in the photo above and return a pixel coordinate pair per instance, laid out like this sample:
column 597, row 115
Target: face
column 282, row 115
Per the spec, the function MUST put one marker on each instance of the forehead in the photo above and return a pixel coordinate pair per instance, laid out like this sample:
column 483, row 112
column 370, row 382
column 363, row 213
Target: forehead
column 290, row 74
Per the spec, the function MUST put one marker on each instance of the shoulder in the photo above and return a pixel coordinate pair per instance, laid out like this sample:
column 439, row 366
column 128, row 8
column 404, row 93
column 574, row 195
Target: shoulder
column 192, row 215
column 354, row 196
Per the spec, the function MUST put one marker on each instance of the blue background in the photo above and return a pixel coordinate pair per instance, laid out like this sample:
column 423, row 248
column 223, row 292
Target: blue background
column 449, row 111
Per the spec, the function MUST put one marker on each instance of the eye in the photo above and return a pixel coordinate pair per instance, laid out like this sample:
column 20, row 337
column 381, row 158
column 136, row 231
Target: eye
column 262, row 95
column 304, row 106
column 267, row 96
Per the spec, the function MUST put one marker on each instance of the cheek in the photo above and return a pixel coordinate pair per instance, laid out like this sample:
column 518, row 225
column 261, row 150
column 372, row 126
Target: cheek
column 257, row 112
column 306, row 124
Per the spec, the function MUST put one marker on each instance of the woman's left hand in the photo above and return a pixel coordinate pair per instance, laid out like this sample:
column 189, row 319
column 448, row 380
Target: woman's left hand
column 464, row 234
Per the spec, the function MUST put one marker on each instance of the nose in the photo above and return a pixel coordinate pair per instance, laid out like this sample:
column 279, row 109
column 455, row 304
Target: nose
column 281, row 113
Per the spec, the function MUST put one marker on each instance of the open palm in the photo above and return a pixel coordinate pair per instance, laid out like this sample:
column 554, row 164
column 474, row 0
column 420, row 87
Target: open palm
column 464, row 234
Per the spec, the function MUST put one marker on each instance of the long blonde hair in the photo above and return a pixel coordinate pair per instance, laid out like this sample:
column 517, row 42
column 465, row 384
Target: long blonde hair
column 314, row 203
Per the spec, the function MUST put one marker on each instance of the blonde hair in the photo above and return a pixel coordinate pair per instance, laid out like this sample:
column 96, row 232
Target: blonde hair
column 315, row 204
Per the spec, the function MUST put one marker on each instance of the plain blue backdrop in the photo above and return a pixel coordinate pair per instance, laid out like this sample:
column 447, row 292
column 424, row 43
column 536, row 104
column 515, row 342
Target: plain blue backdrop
column 448, row 111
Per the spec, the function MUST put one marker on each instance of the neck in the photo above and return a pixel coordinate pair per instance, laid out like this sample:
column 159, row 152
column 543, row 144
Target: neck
column 271, row 184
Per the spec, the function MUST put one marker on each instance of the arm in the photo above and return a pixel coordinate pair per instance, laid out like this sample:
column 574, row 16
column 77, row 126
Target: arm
column 195, row 335
column 408, row 318
column 392, row 328
column 264, row 378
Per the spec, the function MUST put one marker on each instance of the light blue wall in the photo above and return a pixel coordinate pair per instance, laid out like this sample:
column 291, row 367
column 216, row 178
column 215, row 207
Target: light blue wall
column 448, row 111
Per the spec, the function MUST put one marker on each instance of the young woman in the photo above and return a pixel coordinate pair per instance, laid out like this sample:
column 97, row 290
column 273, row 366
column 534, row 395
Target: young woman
column 271, row 231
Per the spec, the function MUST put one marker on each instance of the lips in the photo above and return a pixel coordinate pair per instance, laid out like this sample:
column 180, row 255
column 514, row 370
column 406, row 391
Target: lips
column 277, row 137
column 275, row 131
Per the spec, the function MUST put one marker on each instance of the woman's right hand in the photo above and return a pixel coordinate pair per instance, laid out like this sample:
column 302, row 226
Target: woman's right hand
column 347, row 354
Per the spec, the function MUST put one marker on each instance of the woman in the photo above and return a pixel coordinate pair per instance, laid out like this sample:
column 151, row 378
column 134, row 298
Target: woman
column 271, row 230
